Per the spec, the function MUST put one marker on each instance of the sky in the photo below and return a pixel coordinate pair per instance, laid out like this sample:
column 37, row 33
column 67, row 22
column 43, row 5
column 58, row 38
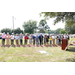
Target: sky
column 6, row 20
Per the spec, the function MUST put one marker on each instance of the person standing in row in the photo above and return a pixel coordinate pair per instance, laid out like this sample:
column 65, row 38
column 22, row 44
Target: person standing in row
column 17, row 38
column 37, row 40
column 62, row 37
column 30, row 39
column 26, row 38
column 57, row 40
column 47, row 39
column 7, row 39
column 53, row 38
column 50, row 38
column 12, row 39
column 41, row 39
column 21, row 37
column 3, row 38
column 33, row 39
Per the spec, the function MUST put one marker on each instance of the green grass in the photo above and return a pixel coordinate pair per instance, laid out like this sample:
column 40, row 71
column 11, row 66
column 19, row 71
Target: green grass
column 32, row 54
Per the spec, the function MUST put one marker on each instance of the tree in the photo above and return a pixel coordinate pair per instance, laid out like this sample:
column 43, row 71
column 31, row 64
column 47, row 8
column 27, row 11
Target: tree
column 6, row 30
column 57, row 31
column 41, row 31
column 62, row 31
column 30, row 26
column 70, row 29
column 18, row 30
column 59, row 16
column 43, row 25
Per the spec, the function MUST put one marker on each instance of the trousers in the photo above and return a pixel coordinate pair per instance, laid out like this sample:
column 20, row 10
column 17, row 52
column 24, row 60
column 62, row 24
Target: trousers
column 3, row 41
column 7, row 41
column 21, row 41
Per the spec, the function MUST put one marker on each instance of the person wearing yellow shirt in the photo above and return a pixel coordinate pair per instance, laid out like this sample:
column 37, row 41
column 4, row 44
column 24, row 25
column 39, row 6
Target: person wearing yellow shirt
column 50, row 39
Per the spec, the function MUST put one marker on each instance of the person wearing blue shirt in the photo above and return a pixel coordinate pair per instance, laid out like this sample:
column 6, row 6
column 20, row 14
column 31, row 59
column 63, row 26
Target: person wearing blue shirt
column 33, row 39
column 37, row 40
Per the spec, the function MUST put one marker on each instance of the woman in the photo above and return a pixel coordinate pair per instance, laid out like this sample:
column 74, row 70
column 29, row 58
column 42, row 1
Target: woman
column 50, row 38
column 17, row 38
column 37, row 40
column 3, row 38
column 7, row 39
column 57, row 40
column 30, row 39
column 45, row 37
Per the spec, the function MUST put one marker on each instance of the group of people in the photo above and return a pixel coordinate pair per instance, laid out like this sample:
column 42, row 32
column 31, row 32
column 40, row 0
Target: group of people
column 38, row 40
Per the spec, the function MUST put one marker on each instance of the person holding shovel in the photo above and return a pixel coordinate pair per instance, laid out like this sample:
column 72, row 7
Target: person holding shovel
column 8, row 39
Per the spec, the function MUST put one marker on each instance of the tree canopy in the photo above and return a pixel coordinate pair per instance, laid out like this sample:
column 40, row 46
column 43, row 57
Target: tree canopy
column 59, row 16
column 30, row 26
column 43, row 26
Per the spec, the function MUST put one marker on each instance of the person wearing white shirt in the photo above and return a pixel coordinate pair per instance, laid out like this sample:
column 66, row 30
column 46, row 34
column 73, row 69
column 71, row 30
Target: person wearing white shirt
column 65, row 36
column 12, row 39
column 53, row 39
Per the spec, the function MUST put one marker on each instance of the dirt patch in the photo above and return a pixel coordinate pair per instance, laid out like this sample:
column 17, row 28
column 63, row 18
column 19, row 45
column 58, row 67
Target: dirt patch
column 25, row 55
column 31, row 46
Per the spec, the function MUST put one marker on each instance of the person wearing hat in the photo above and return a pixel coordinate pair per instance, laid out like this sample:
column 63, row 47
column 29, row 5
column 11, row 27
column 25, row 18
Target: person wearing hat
column 21, row 37
column 17, row 38
column 12, row 39
column 7, row 39
column 3, row 38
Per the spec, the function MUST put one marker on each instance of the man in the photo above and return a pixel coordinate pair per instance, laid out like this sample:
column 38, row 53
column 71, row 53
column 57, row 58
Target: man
column 17, row 38
column 3, row 38
column 37, row 40
column 59, row 39
column 65, row 36
column 26, row 38
column 21, row 37
column 12, row 39
column 41, row 39
column 53, row 38
column 33, row 39
column 7, row 39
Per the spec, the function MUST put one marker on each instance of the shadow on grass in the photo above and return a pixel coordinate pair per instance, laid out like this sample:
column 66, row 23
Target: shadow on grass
column 71, row 49
column 70, row 60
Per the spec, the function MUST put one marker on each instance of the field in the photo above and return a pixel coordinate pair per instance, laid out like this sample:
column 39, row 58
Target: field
column 32, row 54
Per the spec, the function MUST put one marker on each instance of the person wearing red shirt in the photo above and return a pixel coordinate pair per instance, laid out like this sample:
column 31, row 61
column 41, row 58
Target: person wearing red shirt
column 26, row 38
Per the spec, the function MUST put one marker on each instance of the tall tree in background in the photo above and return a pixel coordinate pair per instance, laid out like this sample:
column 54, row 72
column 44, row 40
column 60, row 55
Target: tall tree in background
column 18, row 30
column 30, row 26
column 62, row 31
column 6, row 30
column 59, row 16
column 43, row 26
